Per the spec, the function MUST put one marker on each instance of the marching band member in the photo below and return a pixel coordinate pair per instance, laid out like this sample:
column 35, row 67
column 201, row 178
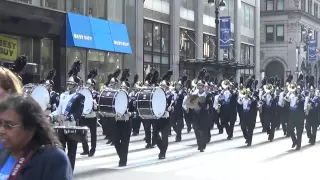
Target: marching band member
column 311, row 109
column 187, row 114
column 70, row 109
column 177, row 114
column 209, row 100
column 90, row 120
column 249, row 114
column 217, row 108
column 162, row 125
column 270, row 103
column 296, row 114
column 150, row 138
column 283, row 106
column 262, row 105
column 54, row 96
column 110, row 122
column 124, row 124
column 104, row 120
column 136, row 121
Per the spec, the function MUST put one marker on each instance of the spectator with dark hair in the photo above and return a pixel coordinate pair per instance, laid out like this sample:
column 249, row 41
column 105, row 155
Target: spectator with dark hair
column 31, row 148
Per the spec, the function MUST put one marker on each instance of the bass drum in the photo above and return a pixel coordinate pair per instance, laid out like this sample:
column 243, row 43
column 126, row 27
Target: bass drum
column 39, row 93
column 151, row 103
column 88, row 102
column 113, row 103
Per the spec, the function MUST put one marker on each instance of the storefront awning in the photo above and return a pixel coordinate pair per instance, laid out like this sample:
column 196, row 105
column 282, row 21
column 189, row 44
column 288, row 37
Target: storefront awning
column 94, row 33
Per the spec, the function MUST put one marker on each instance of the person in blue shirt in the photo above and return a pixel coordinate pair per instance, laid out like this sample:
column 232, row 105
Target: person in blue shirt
column 31, row 149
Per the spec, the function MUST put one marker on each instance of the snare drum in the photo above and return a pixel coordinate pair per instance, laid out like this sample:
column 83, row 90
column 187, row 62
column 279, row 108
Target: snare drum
column 88, row 102
column 39, row 93
column 113, row 103
column 76, row 133
column 151, row 103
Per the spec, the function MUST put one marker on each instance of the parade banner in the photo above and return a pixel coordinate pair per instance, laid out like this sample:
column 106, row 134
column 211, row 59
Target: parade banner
column 225, row 32
column 312, row 50
column 8, row 48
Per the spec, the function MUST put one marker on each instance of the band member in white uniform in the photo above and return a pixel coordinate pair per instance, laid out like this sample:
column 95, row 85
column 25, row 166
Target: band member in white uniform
column 70, row 110
column 90, row 120
column 54, row 96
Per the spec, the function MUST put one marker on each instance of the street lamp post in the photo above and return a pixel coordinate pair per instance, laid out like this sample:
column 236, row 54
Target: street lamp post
column 219, row 5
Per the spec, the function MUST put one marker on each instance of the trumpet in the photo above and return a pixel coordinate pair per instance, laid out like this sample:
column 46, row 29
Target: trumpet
column 219, row 108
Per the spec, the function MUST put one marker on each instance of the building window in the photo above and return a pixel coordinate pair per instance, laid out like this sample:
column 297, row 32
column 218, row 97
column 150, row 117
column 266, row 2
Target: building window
column 280, row 5
column 209, row 46
column 187, row 44
column 270, row 5
column 248, row 16
column 269, row 33
column 97, row 8
column 75, row 6
column 315, row 36
column 115, row 10
column 280, row 33
column 162, row 6
column 315, row 9
column 105, row 62
column 310, row 6
column 246, row 56
column 187, row 9
column 303, row 5
column 55, row 4
column 156, row 47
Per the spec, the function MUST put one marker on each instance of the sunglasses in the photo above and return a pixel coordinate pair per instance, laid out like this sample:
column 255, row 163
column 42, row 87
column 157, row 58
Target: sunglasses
column 8, row 125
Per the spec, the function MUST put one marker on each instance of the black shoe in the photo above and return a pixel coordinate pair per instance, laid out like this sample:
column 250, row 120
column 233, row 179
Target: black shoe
column 294, row 145
column 178, row 138
column 148, row 146
column 230, row 137
column 135, row 134
column 91, row 153
column 122, row 165
column 84, row 153
column 298, row 147
column 220, row 131
column 161, row 156
column 201, row 150
column 270, row 138
column 189, row 129
column 246, row 142
column 109, row 142
column 249, row 144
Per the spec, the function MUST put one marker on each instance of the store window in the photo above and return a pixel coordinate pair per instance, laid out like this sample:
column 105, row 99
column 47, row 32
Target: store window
column 46, row 57
column 209, row 46
column 76, row 54
column 97, row 8
column 115, row 10
column 156, row 46
column 246, row 56
column 105, row 62
column 75, row 6
column 13, row 46
column 55, row 4
column 187, row 44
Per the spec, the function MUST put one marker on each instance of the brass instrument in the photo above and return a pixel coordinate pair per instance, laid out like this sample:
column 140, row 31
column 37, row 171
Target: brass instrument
column 225, row 84
column 193, row 100
column 309, row 105
column 292, row 87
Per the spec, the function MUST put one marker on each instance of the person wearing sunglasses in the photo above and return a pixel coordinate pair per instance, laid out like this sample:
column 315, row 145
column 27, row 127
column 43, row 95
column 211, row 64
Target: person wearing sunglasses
column 35, row 150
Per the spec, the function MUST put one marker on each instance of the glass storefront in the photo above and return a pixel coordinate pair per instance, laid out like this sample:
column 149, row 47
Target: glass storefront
column 156, row 47
column 187, row 44
column 105, row 62
column 13, row 46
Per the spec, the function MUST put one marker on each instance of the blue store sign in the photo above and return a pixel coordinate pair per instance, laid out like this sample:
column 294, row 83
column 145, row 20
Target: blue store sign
column 94, row 33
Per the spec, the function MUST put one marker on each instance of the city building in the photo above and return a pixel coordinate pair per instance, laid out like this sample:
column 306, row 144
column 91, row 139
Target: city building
column 162, row 34
column 289, row 36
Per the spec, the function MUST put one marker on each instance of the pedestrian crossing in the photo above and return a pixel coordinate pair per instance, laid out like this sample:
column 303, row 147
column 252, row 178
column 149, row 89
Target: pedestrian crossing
column 106, row 158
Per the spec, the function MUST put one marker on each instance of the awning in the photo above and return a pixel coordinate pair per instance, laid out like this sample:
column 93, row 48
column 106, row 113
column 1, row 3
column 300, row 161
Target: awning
column 94, row 33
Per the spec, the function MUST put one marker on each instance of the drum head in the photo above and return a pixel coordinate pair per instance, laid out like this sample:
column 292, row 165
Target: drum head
column 42, row 96
column 121, row 102
column 88, row 102
column 159, row 102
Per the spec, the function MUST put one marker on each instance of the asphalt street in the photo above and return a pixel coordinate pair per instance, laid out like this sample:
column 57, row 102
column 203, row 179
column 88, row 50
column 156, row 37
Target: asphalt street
column 222, row 160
